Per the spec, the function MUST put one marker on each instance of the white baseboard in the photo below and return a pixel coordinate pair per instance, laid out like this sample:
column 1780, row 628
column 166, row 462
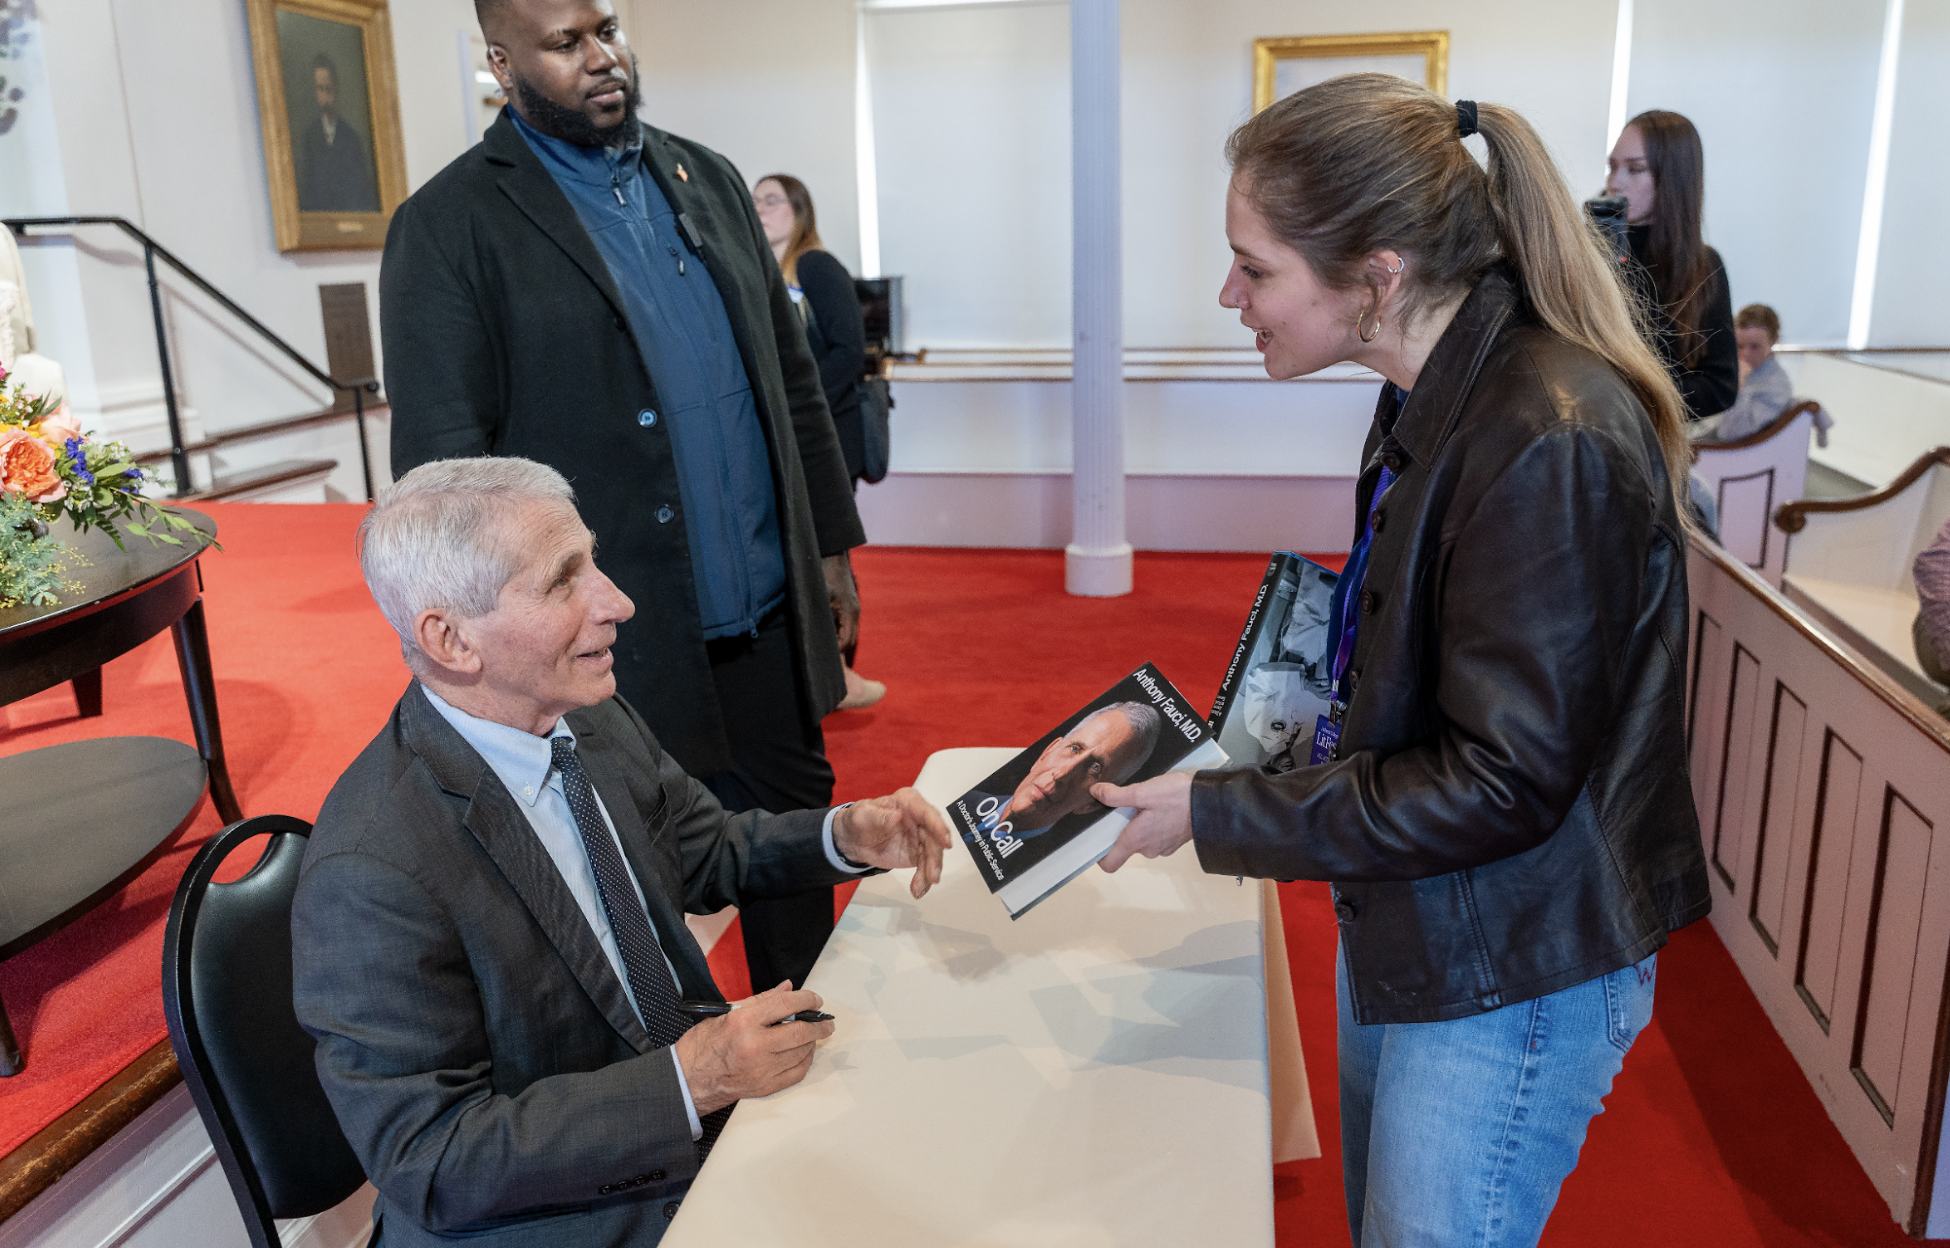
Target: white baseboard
column 157, row 1184
column 1032, row 509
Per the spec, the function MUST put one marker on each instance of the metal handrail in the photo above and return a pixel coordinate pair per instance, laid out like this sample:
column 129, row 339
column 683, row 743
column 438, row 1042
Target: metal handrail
column 151, row 249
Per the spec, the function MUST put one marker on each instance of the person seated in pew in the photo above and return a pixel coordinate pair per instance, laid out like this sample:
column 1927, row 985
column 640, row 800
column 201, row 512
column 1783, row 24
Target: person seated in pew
column 1765, row 390
column 1756, row 332
column 488, row 940
column 1931, row 631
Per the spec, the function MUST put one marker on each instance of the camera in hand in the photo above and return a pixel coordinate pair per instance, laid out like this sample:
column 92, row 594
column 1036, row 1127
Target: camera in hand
column 881, row 314
column 880, row 309
column 1607, row 212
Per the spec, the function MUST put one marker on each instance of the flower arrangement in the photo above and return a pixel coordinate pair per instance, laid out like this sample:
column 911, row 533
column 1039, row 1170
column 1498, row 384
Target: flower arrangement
column 48, row 469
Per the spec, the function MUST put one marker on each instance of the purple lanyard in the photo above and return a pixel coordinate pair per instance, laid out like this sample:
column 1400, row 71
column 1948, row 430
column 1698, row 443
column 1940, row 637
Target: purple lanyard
column 1357, row 568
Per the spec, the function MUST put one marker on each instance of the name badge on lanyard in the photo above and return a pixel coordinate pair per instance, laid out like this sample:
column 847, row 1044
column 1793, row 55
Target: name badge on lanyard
column 1327, row 728
column 1327, row 735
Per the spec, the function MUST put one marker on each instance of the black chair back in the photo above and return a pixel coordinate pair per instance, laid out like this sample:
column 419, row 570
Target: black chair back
column 248, row 1064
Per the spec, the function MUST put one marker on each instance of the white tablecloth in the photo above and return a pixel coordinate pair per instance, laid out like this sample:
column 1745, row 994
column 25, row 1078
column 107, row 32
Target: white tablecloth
column 1094, row 1073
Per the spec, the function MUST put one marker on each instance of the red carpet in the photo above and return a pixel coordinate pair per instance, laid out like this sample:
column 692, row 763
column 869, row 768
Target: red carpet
column 306, row 670
column 1711, row 1138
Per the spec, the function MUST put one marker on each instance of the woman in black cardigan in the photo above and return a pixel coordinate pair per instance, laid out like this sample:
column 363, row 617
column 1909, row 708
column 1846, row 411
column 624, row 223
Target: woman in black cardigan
column 822, row 290
column 1660, row 169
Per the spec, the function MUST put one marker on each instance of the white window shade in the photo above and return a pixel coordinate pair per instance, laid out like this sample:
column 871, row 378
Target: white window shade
column 1783, row 104
column 972, row 147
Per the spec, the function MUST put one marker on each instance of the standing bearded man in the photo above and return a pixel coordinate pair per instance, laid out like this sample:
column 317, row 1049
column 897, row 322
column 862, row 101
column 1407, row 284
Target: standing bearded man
column 593, row 293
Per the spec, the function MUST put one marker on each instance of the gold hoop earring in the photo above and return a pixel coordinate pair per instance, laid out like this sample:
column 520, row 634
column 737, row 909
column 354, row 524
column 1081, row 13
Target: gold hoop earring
column 1366, row 337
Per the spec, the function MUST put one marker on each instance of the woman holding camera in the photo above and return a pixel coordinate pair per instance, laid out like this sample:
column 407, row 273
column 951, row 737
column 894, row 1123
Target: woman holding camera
column 1500, row 795
column 1659, row 168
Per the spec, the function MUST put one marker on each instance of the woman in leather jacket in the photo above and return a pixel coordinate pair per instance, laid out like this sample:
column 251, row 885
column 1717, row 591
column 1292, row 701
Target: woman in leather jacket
column 1500, row 798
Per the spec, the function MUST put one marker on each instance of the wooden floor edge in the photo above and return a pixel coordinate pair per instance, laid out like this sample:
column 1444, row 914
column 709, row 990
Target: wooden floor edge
column 61, row 1145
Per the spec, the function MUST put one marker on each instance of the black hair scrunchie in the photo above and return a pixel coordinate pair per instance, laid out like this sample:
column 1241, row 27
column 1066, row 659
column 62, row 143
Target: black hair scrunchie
column 1465, row 118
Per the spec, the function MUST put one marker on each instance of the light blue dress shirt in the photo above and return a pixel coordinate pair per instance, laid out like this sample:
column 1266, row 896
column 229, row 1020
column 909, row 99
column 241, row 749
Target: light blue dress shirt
column 525, row 764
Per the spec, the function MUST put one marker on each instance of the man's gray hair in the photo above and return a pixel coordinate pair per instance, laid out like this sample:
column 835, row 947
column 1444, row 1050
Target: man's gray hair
column 439, row 538
column 1144, row 721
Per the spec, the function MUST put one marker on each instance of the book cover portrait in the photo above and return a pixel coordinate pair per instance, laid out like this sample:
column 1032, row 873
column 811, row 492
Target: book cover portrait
column 1281, row 679
column 1032, row 825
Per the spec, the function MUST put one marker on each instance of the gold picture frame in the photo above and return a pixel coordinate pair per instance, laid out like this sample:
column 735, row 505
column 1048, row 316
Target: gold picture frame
column 1431, row 45
column 329, row 107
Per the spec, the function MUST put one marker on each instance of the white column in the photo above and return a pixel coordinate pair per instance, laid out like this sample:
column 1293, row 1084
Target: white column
column 1097, row 563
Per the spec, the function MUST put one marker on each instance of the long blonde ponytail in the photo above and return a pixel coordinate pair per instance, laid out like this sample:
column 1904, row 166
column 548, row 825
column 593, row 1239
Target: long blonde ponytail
column 1573, row 285
column 1365, row 162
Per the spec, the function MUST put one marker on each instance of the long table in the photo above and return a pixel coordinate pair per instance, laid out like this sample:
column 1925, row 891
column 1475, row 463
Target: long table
column 1096, row 1072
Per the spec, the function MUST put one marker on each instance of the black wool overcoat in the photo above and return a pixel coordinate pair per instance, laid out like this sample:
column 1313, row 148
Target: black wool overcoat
column 505, row 334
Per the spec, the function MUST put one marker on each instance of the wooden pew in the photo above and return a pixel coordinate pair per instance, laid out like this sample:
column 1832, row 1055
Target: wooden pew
column 1749, row 477
column 1848, row 564
column 1823, row 787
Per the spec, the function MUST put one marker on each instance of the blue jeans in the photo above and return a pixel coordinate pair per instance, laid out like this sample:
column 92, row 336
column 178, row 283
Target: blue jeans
column 1460, row 1133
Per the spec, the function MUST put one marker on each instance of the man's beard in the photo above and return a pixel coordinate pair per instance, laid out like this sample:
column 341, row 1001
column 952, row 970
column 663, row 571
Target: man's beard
column 574, row 126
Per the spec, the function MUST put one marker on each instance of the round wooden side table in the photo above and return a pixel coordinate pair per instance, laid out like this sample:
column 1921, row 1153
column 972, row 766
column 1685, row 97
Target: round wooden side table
column 83, row 818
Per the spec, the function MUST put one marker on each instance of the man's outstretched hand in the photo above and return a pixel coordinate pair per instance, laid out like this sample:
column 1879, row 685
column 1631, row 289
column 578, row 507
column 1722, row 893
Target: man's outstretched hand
column 899, row 830
column 741, row 1054
column 1163, row 821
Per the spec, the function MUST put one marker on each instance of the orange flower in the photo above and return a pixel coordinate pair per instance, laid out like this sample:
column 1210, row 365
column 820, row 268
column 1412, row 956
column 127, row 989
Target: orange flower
column 27, row 467
column 58, row 427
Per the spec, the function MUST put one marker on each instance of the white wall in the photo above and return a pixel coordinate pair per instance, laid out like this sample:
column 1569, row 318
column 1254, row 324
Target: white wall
column 157, row 1184
column 1884, row 419
column 1188, row 83
column 1782, row 92
column 972, row 132
column 153, row 110
column 768, row 84
column 972, row 126
column 1913, row 269
column 1211, row 464
column 972, row 135
column 31, row 185
column 1311, row 427
column 151, row 113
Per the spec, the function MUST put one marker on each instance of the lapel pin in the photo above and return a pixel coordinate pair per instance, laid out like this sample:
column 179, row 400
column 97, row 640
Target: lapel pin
column 681, row 174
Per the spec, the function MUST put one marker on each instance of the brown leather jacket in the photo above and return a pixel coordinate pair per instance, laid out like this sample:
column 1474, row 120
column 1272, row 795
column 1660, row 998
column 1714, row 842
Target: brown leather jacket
column 1509, row 812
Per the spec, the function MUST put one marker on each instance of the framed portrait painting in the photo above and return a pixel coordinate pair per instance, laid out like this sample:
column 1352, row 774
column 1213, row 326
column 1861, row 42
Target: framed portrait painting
column 1283, row 66
column 329, row 107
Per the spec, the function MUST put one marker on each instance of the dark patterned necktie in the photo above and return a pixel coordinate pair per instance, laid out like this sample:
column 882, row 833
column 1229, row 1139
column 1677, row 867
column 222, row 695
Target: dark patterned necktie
column 651, row 984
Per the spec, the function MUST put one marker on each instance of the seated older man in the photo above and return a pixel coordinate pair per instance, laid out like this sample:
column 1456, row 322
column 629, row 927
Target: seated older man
column 488, row 936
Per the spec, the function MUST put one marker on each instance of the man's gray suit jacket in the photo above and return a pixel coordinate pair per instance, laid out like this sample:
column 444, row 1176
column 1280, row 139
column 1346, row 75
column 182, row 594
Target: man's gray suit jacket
column 472, row 1036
